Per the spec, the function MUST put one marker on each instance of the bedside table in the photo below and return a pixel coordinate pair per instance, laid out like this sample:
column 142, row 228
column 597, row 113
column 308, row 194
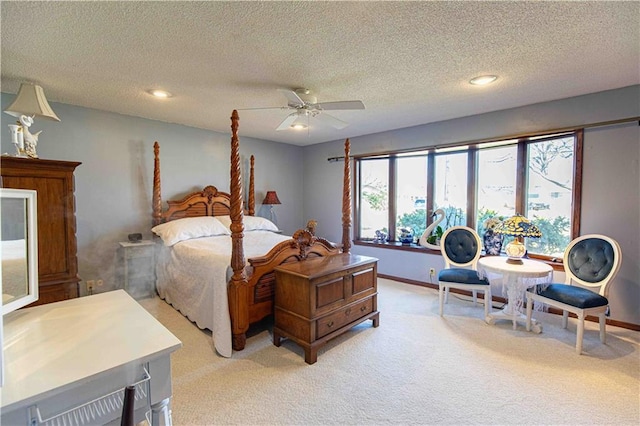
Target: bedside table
column 137, row 261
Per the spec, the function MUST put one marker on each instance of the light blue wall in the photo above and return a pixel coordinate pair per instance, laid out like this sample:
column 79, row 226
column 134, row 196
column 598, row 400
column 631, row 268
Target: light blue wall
column 114, row 183
column 611, row 179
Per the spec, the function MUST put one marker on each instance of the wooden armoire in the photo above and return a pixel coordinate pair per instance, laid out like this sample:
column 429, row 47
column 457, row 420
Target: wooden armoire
column 57, row 245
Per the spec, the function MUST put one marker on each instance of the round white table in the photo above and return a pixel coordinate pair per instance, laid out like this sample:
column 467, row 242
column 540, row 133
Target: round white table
column 516, row 279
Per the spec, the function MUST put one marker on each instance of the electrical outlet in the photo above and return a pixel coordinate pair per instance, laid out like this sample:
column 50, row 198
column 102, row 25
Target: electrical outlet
column 432, row 272
column 99, row 283
column 90, row 285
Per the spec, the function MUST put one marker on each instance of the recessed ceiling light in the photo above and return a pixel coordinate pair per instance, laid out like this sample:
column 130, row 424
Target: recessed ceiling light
column 483, row 80
column 160, row 93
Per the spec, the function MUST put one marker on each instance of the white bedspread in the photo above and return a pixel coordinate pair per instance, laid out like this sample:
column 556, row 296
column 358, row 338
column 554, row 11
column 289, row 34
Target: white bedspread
column 192, row 276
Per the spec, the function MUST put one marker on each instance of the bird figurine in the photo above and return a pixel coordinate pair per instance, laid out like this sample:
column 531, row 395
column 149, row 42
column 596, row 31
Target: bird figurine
column 425, row 235
column 30, row 139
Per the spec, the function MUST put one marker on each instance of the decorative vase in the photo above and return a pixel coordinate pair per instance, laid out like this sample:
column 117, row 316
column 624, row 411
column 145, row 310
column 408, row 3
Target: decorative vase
column 492, row 243
column 406, row 235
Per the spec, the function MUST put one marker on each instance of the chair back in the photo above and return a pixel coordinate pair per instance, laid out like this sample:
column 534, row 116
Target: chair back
column 592, row 261
column 460, row 247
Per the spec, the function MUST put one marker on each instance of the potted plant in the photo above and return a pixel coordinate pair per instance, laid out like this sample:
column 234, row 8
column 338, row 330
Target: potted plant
column 434, row 238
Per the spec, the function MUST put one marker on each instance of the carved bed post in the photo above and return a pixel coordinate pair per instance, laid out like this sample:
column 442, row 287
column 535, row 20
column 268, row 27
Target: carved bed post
column 238, row 287
column 252, row 192
column 157, row 200
column 346, row 200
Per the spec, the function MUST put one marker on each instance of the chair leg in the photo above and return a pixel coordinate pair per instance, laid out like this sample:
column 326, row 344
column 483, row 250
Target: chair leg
column 475, row 297
column 446, row 295
column 603, row 325
column 487, row 301
column 565, row 318
column 580, row 333
column 441, row 297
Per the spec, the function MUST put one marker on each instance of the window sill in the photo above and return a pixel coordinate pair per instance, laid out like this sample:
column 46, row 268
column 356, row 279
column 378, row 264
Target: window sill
column 555, row 263
column 394, row 245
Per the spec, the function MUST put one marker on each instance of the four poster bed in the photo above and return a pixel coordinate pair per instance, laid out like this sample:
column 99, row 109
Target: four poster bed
column 201, row 268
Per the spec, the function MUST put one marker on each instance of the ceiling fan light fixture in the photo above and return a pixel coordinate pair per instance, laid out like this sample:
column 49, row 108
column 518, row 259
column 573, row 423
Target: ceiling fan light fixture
column 157, row 93
column 483, row 80
column 300, row 122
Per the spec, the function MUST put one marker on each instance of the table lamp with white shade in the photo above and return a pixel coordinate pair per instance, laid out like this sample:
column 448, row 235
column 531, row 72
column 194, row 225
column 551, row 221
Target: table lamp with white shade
column 29, row 103
column 519, row 227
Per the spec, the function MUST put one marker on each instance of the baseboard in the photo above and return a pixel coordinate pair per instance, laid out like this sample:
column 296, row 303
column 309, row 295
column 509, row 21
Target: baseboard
column 615, row 323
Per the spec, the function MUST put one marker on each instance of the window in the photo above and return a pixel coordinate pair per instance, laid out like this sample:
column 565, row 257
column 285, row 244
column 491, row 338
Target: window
column 373, row 178
column 496, row 184
column 411, row 194
column 534, row 176
column 450, row 188
column 549, row 194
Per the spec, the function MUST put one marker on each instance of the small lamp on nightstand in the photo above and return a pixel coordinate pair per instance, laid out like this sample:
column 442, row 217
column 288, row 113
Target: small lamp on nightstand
column 270, row 199
column 519, row 227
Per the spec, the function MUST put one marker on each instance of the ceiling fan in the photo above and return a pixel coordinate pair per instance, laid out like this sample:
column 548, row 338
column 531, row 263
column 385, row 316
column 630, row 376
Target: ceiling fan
column 306, row 106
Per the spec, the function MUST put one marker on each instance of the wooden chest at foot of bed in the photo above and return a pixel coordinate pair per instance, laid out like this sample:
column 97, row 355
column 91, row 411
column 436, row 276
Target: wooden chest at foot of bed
column 319, row 299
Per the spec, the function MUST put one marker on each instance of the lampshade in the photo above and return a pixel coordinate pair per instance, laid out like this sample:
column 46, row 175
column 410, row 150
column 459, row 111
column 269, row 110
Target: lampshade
column 517, row 226
column 31, row 101
column 271, row 198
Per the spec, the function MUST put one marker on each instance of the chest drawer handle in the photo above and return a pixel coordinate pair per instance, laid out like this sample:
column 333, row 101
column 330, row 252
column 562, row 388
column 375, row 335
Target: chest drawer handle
column 347, row 312
column 330, row 324
column 363, row 308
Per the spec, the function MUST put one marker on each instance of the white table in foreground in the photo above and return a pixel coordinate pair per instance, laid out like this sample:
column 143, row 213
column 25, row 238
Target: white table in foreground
column 69, row 362
column 516, row 279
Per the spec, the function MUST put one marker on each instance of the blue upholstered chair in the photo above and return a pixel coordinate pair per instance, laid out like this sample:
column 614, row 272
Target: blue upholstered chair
column 461, row 248
column 591, row 261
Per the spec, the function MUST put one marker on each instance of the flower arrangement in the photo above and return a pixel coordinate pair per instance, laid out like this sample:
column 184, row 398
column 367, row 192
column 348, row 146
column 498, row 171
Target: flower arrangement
column 492, row 223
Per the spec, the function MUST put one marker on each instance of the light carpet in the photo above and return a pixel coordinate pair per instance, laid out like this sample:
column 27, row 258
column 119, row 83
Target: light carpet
column 416, row 368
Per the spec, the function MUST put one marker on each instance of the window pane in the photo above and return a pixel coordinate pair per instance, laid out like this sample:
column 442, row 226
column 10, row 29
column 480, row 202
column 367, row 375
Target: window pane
column 496, row 196
column 411, row 190
column 374, row 197
column 549, row 194
column 450, row 192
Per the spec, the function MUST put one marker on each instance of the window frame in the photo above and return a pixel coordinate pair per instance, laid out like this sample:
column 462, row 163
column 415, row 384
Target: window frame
column 472, row 149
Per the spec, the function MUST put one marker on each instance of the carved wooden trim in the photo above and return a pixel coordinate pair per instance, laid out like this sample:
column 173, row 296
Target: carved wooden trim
column 346, row 200
column 238, row 289
column 207, row 202
column 157, row 200
column 252, row 195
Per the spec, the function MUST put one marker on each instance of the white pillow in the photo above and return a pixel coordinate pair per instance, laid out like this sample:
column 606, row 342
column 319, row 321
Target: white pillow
column 251, row 223
column 189, row 227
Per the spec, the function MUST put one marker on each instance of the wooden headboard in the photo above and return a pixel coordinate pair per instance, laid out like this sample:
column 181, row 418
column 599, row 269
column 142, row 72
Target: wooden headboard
column 207, row 202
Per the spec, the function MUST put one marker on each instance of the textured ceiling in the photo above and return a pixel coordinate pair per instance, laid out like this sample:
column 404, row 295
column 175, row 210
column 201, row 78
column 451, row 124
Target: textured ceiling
column 409, row 62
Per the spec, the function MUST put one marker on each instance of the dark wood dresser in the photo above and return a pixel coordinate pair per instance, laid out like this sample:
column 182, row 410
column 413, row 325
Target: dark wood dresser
column 57, row 244
column 319, row 299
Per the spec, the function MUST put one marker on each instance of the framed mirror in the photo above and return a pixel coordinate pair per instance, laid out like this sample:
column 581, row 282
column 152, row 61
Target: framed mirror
column 19, row 248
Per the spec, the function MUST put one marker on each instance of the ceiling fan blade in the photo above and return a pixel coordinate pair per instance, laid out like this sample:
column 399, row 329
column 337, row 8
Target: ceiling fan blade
column 331, row 121
column 263, row 108
column 340, row 105
column 292, row 97
column 287, row 121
